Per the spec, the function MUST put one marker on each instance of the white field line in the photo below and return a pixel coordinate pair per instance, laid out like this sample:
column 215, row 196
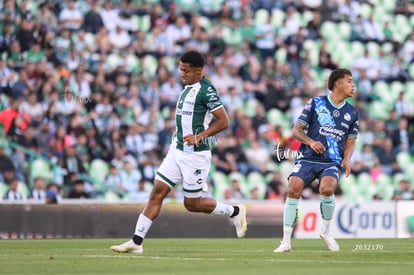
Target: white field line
column 324, row 261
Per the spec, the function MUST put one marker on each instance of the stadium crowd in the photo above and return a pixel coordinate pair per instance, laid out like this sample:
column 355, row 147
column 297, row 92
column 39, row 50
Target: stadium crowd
column 91, row 80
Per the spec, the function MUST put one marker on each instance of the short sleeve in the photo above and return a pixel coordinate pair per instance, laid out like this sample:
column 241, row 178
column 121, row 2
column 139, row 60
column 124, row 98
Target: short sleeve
column 211, row 99
column 307, row 113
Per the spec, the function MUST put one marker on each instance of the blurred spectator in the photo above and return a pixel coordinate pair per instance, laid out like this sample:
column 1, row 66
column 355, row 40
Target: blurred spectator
column 71, row 162
column 276, row 188
column 387, row 158
column 53, row 195
column 70, row 16
column 78, row 191
column 38, row 191
column 141, row 194
column 358, row 30
column 236, row 191
column 7, row 77
column 325, row 59
column 402, row 140
column 6, row 163
column 13, row 119
column 46, row 17
column 257, row 155
column 404, row 191
column 113, row 181
column 223, row 159
column 130, row 175
column 93, row 20
column 349, row 9
column 265, row 37
column 12, row 193
column 402, row 106
column 373, row 30
column 119, row 38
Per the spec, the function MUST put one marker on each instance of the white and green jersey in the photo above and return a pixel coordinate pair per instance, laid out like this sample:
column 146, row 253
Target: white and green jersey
column 194, row 113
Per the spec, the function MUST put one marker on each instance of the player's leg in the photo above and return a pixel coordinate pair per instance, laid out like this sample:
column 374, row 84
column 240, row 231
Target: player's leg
column 195, row 168
column 144, row 222
column 211, row 206
column 327, row 187
column 290, row 211
column 168, row 175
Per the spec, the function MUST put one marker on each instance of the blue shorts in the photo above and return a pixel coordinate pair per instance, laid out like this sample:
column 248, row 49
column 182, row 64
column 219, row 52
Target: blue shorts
column 309, row 171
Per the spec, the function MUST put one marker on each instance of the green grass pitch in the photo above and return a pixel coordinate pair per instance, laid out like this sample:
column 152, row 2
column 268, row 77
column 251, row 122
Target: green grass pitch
column 207, row 256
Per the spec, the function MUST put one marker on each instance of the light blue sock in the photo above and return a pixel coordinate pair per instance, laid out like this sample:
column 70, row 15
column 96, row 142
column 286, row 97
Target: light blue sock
column 289, row 218
column 327, row 206
column 290, row 212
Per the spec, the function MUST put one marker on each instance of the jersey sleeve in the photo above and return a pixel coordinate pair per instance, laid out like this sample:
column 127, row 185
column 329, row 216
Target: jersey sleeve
column 211, row 99
column 307, row 113
column 354, row 128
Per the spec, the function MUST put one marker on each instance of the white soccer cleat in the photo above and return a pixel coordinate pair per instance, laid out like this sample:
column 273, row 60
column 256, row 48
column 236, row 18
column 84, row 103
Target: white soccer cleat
column 240, row 222
column 128, row 247
column 330, row 242
column 283, row 247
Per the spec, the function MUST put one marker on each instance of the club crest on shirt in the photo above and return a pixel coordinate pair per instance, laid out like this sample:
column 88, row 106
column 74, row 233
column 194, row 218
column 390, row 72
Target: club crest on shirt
column 192, row 92
column 347, row 117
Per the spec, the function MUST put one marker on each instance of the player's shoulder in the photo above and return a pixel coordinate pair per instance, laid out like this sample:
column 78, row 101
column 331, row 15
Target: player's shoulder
column 351, row 109
column 206, row 87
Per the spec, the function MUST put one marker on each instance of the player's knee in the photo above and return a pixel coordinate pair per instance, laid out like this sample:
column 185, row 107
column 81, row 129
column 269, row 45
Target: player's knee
column 326, row 191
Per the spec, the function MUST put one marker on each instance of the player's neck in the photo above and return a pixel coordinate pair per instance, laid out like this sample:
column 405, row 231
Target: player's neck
column 337, row 99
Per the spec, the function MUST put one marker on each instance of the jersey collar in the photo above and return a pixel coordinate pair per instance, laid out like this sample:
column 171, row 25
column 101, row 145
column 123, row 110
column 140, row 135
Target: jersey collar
column 333, row 103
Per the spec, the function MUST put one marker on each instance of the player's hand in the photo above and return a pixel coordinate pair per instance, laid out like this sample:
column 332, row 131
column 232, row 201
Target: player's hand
column 191, row 139
column 317, row 147
column 347, row 166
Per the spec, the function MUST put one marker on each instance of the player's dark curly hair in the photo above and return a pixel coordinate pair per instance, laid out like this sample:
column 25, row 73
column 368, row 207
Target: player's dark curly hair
column 337, row 74
column 194, row 58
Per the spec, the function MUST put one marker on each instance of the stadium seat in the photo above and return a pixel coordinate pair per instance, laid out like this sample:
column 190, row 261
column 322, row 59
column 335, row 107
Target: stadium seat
column 221, row 183
column 3, row 189
column 366, row 188
column 366, row 10
column 278, row 16
column 256, row 180
column 277, row 117
column 404, row 159
column 23, row 189
column 344, row 30
column 329, row 30
column 132, row 63
column 280, row 55
column 261, row 16
column 40, row 168
column 232, row 36
column 373, row 48
column 99, row 169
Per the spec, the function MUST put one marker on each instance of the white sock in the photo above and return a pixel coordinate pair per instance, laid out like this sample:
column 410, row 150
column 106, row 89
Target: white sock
column 325, row 226
column 143, row 225
column 222, row 209
column 287, row 234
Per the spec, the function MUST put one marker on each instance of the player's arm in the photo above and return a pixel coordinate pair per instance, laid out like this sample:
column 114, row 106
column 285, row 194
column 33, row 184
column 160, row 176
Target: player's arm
column 299, row 133
column 349, row 149
column 221, row 122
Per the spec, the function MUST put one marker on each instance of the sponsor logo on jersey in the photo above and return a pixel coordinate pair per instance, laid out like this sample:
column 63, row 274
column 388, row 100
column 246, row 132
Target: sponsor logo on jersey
column 330, row 131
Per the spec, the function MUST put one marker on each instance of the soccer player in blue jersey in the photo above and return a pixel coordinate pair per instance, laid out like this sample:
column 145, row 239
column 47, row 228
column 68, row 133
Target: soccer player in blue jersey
column 189, row 157
column 327, row 129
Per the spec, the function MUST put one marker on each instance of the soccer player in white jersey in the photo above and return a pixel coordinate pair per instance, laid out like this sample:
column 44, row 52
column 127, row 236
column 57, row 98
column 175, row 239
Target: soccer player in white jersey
column 189, row 158
column 327, row 128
